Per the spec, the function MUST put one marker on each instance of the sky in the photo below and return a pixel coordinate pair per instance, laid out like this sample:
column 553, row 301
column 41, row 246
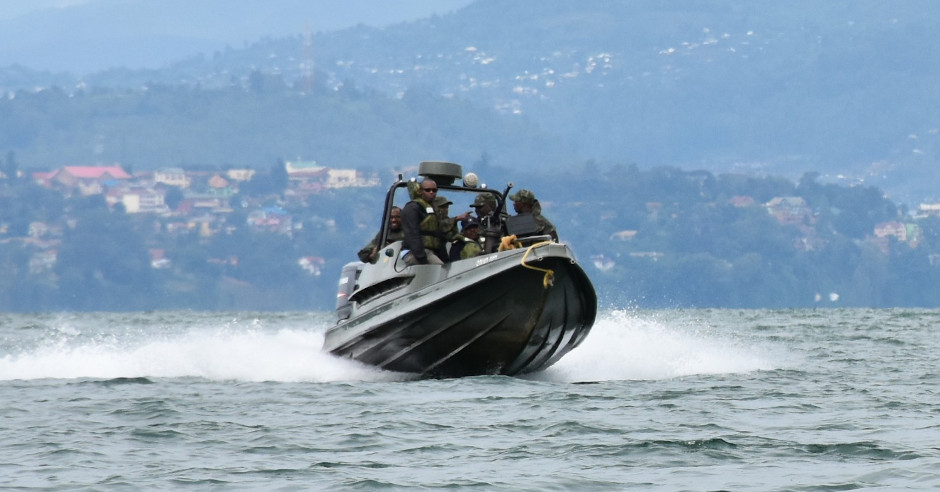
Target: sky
column 83, row 36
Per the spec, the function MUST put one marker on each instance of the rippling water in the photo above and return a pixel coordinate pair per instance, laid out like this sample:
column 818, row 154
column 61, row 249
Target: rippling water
column 808, row 400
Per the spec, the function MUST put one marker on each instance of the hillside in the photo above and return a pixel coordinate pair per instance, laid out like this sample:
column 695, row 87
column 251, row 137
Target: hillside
column 88, row 36
column 255, row 126
column 770, row 88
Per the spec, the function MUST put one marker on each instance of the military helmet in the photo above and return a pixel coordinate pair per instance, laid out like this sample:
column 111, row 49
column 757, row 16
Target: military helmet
column 524, row 196
column 482, row 199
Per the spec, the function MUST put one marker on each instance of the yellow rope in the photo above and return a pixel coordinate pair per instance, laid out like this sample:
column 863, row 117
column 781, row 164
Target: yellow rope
column 549, row 279
column 509, row 242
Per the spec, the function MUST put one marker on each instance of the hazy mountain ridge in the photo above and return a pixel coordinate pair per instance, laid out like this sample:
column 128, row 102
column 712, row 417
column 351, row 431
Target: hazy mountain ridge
column 87, row 36
column 837, row 87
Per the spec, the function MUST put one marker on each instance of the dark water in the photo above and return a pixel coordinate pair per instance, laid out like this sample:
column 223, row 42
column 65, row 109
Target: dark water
column 666, row 400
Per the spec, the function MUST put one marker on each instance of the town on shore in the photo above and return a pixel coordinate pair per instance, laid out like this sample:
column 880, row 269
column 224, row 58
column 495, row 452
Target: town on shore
column 105, row 238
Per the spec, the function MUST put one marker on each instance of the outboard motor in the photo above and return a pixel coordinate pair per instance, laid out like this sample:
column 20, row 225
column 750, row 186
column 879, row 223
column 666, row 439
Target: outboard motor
column 347, row 285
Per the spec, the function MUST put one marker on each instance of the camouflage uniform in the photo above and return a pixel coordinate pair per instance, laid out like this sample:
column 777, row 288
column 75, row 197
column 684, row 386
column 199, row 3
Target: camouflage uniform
column 448, row 224
column 466, row 247
column 545, row 226
column 491, row 230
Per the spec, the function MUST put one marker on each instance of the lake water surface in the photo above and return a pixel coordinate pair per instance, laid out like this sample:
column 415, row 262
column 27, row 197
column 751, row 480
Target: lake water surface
column 796, row 400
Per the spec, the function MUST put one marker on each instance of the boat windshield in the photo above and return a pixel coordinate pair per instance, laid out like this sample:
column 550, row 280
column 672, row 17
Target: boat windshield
column 486, row 205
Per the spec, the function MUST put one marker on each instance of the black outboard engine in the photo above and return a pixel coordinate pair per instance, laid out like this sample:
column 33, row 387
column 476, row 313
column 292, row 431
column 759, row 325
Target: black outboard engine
column 347, row 285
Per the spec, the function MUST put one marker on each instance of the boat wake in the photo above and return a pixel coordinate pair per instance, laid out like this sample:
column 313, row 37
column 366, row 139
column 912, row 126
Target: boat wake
column 223, row 354
column 622, row 346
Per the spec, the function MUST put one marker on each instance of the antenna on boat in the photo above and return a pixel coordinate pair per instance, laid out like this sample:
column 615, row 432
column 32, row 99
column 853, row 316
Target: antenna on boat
column 505, row 197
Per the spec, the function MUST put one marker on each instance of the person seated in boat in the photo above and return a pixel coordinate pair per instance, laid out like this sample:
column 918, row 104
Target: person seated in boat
column 484, row 206
column 524, row 202
column 424, row 238
column 468, row 243
column 370, row 253
column 448, row 224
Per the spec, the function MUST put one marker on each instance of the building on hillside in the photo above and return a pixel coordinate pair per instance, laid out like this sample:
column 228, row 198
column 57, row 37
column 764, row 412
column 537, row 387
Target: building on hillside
column 310, row 177
column 790, row 210
column 900, row 231
column 172, row 176
column 240, row 174
column 896, row 229
column 306, row 171
column 43, row 178
column 219, row 186
column 929, row 209
column 88, row 180
column 305, row 177
column 348, row 178
column 139, row 200
column 271, row 219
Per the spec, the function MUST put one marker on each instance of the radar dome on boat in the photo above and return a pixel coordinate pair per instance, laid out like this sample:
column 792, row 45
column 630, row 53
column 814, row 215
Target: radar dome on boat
column 443, row 173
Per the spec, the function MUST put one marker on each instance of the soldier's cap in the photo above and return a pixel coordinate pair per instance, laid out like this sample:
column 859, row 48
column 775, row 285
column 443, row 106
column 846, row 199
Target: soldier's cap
column 483, row 199
column 440, row 201
column 468, row 223
column 524, row 196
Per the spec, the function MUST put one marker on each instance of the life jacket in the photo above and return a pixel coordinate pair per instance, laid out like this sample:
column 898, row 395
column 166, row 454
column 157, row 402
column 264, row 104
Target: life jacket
column 430, row 227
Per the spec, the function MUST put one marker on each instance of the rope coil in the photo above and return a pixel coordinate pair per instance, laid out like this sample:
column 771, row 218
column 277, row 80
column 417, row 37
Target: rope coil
column 549, row 279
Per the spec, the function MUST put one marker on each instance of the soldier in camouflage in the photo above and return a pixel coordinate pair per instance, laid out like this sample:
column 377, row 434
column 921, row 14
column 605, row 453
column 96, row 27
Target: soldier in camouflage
column 524, row 201
column 490, row 228
column 448, row 224
column 468, row 243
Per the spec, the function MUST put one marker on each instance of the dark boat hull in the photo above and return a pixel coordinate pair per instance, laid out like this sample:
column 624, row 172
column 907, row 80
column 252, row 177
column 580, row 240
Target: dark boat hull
column 496, row 318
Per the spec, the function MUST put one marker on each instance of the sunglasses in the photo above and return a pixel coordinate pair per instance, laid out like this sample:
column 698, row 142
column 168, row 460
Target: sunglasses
column 429, row 190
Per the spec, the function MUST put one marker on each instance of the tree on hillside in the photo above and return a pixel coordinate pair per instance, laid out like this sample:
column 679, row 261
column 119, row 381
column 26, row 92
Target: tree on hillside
column 103, row 262
column 173, row 197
